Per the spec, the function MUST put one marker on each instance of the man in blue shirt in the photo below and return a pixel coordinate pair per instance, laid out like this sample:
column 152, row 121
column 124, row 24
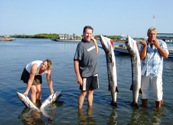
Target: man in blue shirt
column 152, row 53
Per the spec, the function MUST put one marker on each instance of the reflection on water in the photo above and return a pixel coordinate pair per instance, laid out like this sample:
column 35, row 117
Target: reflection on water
column 113, row 117
column 33, row 117
column 86, row 118
column 141, row 116
column 49, row 111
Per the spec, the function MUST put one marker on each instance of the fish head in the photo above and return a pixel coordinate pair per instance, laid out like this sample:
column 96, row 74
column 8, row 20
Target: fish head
column 132, row 45
column 20, row 95
column 107, row 44
column 130, row 42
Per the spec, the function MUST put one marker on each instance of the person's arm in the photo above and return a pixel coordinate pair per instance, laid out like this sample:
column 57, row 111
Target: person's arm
column 49, row 81
column 76, row 68
column 143, row 52
column 31, row 78
column 95, row 43
column 162, row 52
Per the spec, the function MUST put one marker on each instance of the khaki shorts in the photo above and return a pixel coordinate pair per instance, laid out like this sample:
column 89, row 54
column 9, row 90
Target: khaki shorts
column 154, row 84
column 25, row 78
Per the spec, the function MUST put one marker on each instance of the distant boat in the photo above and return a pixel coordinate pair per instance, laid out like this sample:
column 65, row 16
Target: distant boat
column 170, row 53
column 6, row 38
column 66, row 40
column 123, row 50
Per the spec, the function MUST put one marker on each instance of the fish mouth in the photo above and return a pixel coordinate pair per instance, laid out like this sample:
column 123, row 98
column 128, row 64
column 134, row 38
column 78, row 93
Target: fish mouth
column 107, row 43
column 19, row 96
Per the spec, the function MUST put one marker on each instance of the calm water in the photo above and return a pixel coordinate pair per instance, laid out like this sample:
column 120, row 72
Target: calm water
column 15, row 55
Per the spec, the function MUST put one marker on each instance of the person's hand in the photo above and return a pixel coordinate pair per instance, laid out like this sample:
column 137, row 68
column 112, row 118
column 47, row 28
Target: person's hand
column 92, row 38
column 52, row 91
column 143, row 42
column 79, row 80
column 95, row 42
column 25, row 93
column 155, row 43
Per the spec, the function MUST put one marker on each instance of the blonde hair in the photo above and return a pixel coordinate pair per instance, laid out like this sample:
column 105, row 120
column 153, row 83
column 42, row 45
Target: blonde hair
column 49, row 63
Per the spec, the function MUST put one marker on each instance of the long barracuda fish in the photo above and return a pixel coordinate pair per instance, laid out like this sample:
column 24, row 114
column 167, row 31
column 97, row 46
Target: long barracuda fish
column 27, row 101
column 136, row 69
column 108, row 47
column 52, row 98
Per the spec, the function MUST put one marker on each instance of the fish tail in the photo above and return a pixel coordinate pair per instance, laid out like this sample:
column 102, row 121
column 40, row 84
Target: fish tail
column 114, row 103
column 116, row 89
column 140, row 91
column 134, row 104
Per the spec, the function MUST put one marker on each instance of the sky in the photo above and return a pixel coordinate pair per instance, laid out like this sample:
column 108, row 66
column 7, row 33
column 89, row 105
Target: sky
column 107, row 17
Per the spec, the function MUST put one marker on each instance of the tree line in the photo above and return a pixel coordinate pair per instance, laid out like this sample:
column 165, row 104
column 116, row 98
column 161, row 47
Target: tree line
column 41, row 35
column 56, row 36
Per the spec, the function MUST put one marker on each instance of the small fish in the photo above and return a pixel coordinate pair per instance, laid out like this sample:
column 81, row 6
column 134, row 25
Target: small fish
column 136, row 69
column 108, row 47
